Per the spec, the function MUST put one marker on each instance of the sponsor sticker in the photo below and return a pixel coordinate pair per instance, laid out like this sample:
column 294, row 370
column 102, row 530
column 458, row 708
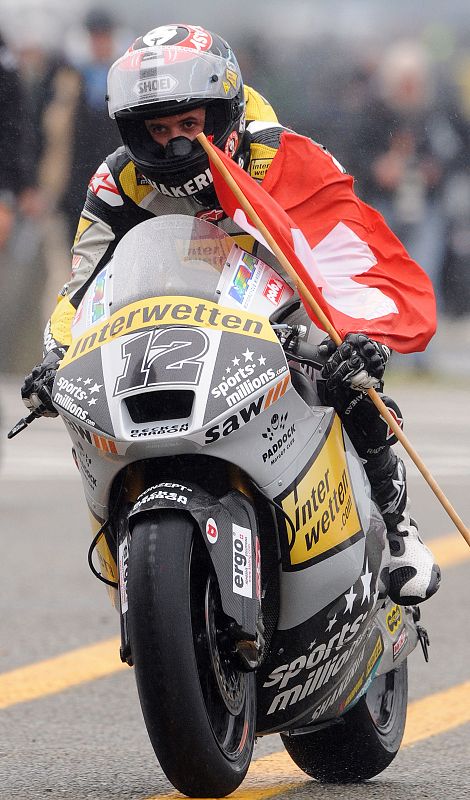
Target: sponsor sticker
column 394, row 619
column 259, row 167
column 97, row 303
column 244, row 375
column 169, row 310
column 258, row 568
column 212, row 531
column 159, row 430
column 247, row 277
column 312, row 671
column 365, row 679
column 280, row 437
column 246, row 413
column 73, row 396
column 123, row 573
column 321, row 504
column 189, row 36
column 100, row 442
column 234, row 422
column 274, row 290
column 242, row 561
column 196, row 184
column 83, row 462
column 164, row 491
column 213, row 250
column 231, row 144
column 160, row 84
column 232, row 77
column 400, row 643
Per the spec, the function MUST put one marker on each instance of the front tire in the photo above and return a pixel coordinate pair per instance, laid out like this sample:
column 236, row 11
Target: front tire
column 365, row 742
column 199, row 709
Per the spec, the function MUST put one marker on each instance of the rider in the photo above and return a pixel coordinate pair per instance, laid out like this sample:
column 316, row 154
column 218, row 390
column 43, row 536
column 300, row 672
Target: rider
column 160, row 102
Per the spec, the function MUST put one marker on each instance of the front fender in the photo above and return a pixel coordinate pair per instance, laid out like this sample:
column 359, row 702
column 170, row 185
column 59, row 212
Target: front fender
column 229, row 529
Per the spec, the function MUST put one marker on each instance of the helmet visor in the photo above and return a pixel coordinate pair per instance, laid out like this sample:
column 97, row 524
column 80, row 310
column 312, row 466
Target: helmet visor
column 164, row 72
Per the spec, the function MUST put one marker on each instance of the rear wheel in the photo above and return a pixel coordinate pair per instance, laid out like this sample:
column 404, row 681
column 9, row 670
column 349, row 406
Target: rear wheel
column 199, row 708
column 365, row 742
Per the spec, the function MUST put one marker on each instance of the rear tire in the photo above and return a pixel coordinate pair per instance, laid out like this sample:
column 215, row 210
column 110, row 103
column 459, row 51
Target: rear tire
column 367, row 740
column 199, row 709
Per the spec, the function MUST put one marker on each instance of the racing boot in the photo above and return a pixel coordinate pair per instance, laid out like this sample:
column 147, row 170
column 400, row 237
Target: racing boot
column 414, row 576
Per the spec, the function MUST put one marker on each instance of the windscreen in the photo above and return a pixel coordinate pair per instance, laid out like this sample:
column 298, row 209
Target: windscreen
column 171, row 255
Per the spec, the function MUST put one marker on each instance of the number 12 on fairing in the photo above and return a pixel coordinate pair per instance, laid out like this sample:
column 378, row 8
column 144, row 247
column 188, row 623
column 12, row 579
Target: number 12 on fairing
column 168, row 356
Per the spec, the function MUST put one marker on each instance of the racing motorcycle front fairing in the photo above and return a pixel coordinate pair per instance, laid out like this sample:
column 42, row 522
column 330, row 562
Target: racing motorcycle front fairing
column 167, row 359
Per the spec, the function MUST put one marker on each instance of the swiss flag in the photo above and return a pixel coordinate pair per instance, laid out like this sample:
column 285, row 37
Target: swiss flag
column 342, row 249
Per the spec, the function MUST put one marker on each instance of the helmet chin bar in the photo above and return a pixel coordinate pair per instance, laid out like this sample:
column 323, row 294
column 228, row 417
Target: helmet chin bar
column 179, row 147
column 181, row 168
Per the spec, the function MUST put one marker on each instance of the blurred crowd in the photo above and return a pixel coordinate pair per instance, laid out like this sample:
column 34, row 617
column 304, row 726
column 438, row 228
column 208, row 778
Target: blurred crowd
column 396, row 117
column 54, row 133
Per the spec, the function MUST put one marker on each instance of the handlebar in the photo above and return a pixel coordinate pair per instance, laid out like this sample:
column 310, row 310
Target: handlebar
column 22, row 424
column 295, row 348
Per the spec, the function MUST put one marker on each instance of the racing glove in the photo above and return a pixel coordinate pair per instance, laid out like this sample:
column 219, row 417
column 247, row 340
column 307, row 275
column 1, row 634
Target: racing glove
column 358, row 363
column 37, row 387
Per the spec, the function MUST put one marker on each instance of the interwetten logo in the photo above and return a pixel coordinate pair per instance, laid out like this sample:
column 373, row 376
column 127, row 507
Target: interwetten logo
column 159, row 311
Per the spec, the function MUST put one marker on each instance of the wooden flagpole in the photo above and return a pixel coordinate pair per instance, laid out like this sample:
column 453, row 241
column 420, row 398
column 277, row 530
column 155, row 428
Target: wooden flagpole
column 332, row 332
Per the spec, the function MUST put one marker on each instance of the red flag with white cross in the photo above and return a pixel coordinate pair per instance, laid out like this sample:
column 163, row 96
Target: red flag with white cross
column 341, row 248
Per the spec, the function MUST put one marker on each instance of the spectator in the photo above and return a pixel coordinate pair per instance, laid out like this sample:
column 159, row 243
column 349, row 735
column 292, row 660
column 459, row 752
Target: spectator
column 12, row 178
column 90, row 124
column 405, row 147
column 16, row 193
column 52, row 88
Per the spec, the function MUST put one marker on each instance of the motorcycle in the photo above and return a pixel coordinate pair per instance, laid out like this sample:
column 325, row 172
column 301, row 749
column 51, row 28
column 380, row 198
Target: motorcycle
column 232, row 518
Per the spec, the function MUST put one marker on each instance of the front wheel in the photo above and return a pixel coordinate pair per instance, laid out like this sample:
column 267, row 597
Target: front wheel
column 198, row 707
column 365, row 741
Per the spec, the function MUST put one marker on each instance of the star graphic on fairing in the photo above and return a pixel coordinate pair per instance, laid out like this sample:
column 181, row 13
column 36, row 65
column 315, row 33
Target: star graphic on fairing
column 228, row 370
column 88, row 380
column 312, row 644
column 331, row 624
column 350, row 598
column 262, row 361
column 248, row 355
column 366, row 579
column 92, row 401
column 96, row 387
column 79, row 380
column 235, row 362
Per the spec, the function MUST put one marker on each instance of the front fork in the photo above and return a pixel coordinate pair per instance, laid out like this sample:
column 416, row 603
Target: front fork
column 236, row 543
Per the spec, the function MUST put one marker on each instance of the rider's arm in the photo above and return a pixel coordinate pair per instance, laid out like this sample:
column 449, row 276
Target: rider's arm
column 111, row 209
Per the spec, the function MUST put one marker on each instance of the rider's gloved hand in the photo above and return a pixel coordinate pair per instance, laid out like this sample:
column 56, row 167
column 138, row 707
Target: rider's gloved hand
column 37, row 387
column 358, row 363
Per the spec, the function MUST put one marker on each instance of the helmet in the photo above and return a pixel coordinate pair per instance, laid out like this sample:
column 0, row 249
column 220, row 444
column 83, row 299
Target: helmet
column 170, row 70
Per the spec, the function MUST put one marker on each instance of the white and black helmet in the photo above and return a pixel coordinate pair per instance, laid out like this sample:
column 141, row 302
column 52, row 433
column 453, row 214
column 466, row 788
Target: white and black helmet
column 170, row 70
